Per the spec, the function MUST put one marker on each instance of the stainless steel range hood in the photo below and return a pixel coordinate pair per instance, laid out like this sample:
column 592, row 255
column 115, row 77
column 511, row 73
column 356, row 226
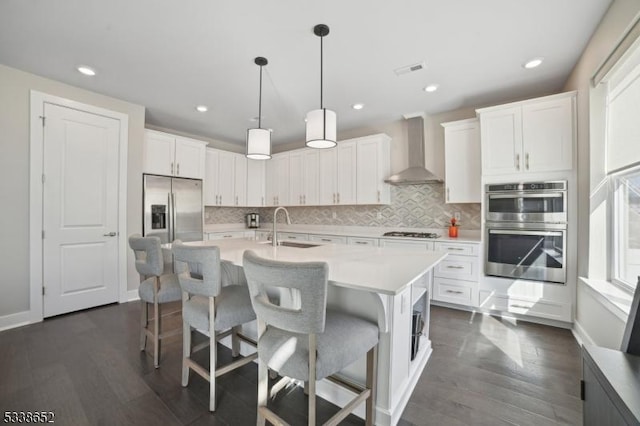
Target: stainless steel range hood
column 416, row 174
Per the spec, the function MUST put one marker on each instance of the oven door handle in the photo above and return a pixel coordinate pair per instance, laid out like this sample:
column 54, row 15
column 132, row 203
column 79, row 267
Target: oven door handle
column 527, row 195
column 518, row 232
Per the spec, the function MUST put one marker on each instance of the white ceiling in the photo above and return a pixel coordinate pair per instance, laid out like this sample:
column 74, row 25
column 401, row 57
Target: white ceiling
column 173, row 55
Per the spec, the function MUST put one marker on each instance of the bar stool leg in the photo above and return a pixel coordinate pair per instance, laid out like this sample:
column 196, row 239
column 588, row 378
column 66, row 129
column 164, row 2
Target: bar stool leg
column 263, row 380
column 312, row 380
column 235, row 341
column 372, row 384
column 144, row 323
column 186, row 352
column 212, row 355
column 156, row 334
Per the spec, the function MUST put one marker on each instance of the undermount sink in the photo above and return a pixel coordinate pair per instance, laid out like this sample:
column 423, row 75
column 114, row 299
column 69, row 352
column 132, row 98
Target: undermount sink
column 298, row 245
column 292, row 244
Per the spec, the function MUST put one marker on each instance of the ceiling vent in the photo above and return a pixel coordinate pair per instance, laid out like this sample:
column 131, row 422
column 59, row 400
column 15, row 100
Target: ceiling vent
column 410, row 68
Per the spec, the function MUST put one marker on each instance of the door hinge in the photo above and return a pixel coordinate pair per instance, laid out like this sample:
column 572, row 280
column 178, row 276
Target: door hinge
column 43, row 119
column 582, row 390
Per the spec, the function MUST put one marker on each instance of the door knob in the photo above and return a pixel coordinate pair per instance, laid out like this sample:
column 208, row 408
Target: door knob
column 111, row 234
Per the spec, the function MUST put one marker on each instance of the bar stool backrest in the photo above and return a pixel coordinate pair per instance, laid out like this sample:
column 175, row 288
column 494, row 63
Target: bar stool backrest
column 148, row 253
column 198, row 268
column 309, row 278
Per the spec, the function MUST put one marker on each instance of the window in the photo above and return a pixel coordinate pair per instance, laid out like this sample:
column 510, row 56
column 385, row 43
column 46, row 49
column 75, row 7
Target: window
column 626, row 228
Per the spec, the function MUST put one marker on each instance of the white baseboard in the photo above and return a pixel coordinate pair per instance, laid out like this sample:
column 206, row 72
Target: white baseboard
column 15, row 320
column 132, row 295
column 581, row 335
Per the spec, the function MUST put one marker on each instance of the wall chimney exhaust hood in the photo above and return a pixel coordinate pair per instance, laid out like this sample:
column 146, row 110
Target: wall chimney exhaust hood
column 416, row 174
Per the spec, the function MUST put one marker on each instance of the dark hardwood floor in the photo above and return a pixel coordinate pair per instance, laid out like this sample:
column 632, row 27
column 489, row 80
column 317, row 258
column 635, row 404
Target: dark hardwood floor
column 86, row 367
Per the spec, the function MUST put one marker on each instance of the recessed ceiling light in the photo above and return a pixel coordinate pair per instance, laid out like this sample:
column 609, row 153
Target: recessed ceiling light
column 357, row 106
column 87, row 70
column 431, row 88
column 202, row 108
column 533, row 63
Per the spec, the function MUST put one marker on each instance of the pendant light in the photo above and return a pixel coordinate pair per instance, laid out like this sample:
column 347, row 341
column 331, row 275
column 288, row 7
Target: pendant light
column 259, row 140
column 321, row 123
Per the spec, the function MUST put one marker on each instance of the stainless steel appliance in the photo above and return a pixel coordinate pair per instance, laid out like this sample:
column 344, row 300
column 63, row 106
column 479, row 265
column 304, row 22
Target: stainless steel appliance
column 253, row 220
column 411, row 234
column 526, row 231
column 172, row 208
column 527, row 202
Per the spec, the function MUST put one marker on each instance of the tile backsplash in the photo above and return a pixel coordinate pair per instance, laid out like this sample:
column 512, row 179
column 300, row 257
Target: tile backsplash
column 412, row 206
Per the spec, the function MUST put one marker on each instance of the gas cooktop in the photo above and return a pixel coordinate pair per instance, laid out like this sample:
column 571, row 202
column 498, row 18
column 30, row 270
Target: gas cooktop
column 411, row 234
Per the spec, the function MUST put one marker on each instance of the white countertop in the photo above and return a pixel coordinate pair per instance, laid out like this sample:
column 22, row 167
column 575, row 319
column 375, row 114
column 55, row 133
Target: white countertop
column 374, row 269
column 465, row 236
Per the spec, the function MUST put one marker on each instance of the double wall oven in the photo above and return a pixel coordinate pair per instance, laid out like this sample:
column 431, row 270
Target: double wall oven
column 526, row 231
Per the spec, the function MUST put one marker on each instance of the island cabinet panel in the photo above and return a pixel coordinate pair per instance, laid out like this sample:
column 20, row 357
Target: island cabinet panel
column 400, row 344
column 462, row 163
column 537, row 135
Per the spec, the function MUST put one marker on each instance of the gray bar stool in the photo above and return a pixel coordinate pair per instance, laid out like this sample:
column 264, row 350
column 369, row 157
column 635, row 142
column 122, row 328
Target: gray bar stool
column 210, row 308
column 156, row 288
column 307, row 342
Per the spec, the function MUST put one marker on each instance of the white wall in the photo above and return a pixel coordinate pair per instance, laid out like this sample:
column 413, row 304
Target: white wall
column 597, row 322
column 15, row 89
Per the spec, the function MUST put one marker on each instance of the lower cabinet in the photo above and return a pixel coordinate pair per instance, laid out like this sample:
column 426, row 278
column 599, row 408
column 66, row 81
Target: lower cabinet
column 225, row 235
column 329, row 239
column 456, row 277
column 360, row 241
column 522, row 305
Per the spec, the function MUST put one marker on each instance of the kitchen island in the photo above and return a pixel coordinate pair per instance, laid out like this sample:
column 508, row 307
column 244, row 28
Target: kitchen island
column 385, row 285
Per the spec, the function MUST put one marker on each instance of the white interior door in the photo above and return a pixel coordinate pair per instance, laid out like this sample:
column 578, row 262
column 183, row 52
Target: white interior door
column 80, row 210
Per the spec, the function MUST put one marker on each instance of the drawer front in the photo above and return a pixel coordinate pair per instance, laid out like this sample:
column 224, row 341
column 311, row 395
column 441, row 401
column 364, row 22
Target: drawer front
column 414, row 245
column 458, row 248
column 357, row 241
column 225, row 235
column 522, row 306
column 329, row 239
column 292, row 236
column 461, row 267
column 452, row 291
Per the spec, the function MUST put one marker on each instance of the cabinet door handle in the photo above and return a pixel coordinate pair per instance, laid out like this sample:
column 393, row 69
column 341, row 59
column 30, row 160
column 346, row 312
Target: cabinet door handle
column 304, row 199
column 453, row 291
column 378, row 195
column 338, row 198
column 361, row 242
column 526, row 161
column 455, row 248
column 227, row 236
column 171, row 168
column 178, row 169
column 448, row 194
column 334, row 198
column 454, row 267
column 325, row 239
column 236, row 200
column 517, row 161
column 110, row 234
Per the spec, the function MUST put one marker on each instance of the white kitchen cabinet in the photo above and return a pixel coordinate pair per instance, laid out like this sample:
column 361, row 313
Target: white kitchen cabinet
column 278, row 180
column 171, row 155
column 225, row 235
column 530, row 136
column 362, row 241
column 373, row 165
column 225, row 178
column 346, row 173
column 328, row 239
column 303, row 177
column 462, row 161
column 328, row 172
column 256, row 178
column 405, row 244
column 456, row 277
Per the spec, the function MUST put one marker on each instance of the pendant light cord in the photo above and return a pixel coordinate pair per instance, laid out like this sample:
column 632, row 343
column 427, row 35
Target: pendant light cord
column 260, row 101
column 321, row 69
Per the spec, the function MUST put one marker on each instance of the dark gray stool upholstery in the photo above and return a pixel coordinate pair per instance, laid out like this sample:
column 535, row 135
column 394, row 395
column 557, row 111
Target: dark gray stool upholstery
column 306, row 342
column 156, row 288
column 210, row 308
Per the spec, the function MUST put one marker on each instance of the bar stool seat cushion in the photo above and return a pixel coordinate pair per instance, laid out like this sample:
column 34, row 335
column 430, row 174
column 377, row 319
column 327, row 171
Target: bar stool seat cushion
column 170, row 290
column 344, row 340
column 233, row 307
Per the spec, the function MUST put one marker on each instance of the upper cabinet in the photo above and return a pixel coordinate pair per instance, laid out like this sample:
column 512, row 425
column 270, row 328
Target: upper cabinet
column 462, row 161
column 225, row 183
column 171, row 155
column 373, row 166
column 256, row 175
column 303, row 177
column 530, row 136
column 277, row 179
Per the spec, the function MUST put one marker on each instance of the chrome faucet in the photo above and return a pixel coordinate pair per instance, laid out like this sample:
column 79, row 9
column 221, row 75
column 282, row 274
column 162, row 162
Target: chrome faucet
column 274, row 238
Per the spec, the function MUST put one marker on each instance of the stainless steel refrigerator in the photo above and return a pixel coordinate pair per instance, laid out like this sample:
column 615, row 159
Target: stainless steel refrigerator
column 172, row 208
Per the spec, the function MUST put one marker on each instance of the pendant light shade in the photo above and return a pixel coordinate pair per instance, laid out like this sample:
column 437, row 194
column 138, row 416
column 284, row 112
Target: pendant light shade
column 259, row 139
column 321, row 123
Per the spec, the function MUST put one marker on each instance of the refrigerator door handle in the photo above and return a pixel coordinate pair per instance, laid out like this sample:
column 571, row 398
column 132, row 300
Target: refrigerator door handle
column 173, row 216
column 170, row 221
